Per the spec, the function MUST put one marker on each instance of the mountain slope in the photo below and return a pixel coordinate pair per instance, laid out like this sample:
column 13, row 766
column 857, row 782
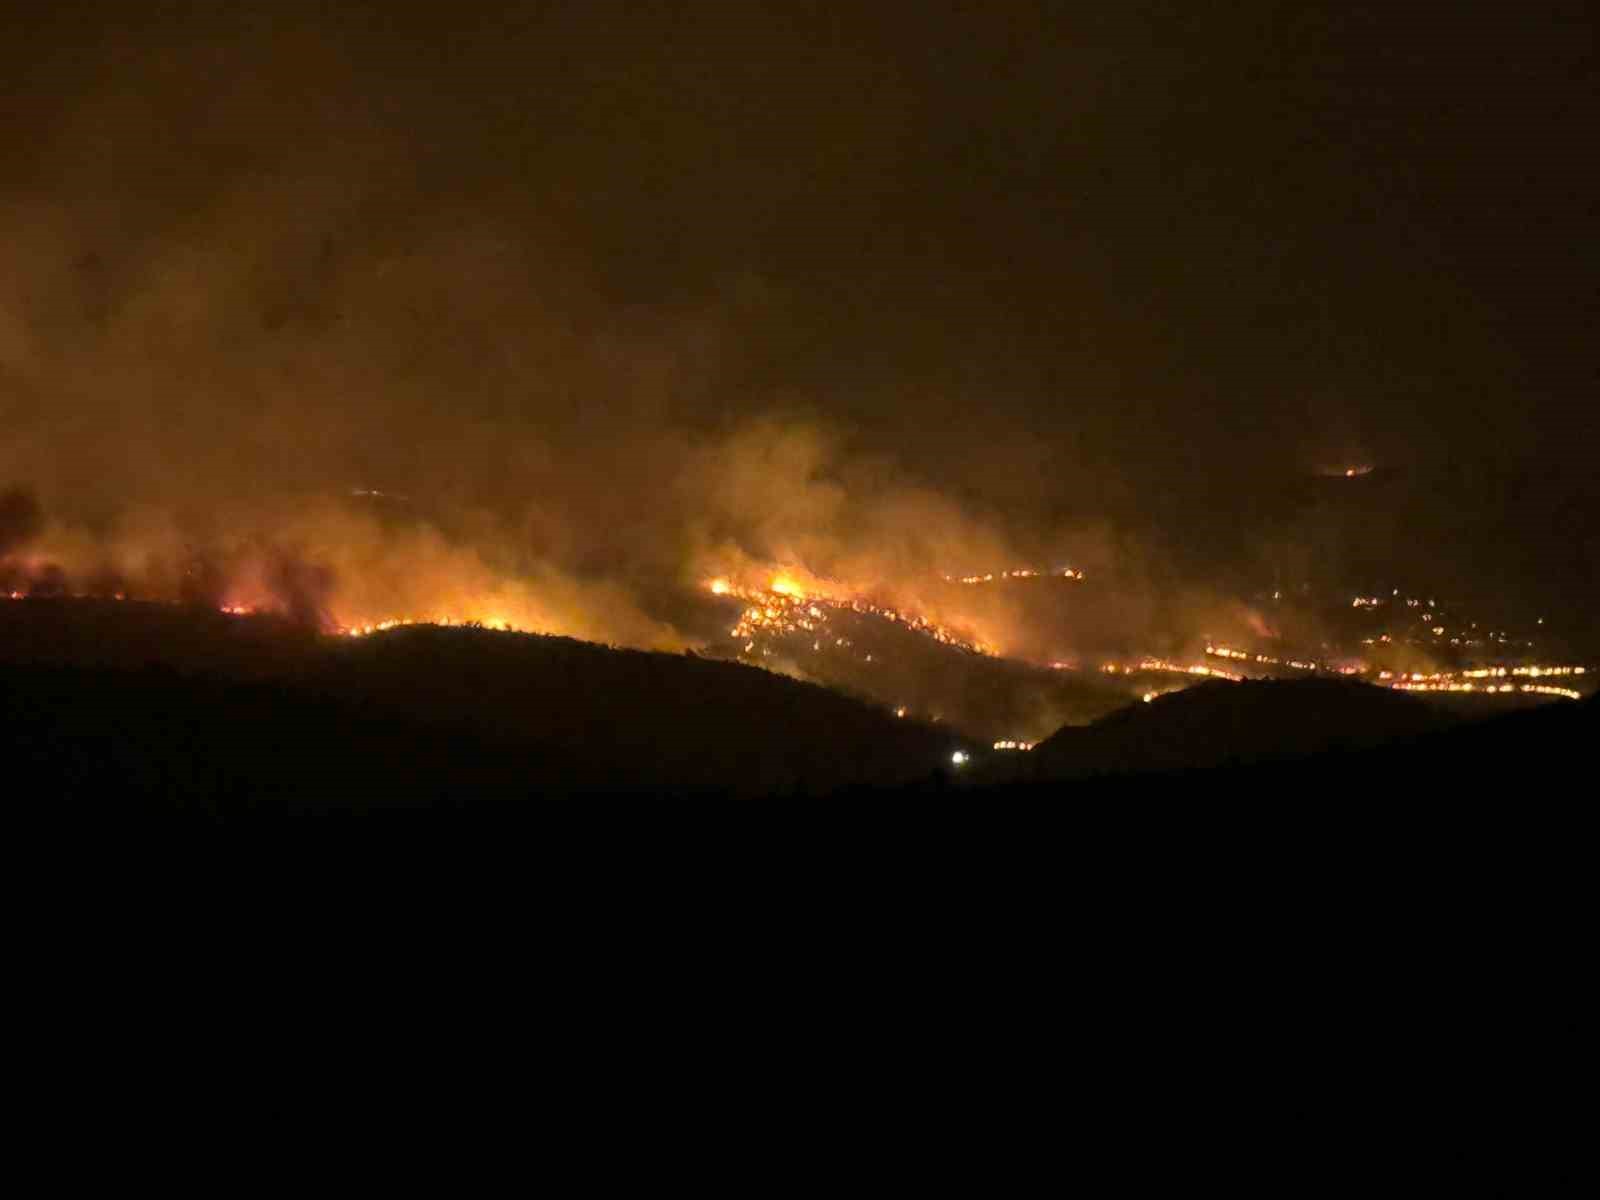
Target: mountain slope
column 1220, row 724
column 160, row 702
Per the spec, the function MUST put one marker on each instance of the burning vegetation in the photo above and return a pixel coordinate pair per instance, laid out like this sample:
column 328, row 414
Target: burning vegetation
column 921, row 645
column 785, row 608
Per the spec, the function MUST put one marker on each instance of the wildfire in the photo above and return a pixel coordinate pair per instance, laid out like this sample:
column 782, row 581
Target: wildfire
column 788, row 607
column 494, row 623
column 1242, row 656
column 1160, row 664
column 794, row 604
column 1015, row 573
column 1417, row 681
column 1171, row 668
column 1489, row 689
column 353, row 631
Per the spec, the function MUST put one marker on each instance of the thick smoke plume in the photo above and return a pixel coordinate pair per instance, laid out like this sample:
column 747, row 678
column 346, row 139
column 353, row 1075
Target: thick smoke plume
column 247, row 366
column 548, row 320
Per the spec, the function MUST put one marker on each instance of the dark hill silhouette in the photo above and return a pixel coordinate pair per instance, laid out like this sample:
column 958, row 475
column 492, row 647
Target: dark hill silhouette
column 1217, row 724
column 677, row 721
column 159, row 702
column 62, row 631
column 1527, row 771
column 120, row 703
column 1520, row 771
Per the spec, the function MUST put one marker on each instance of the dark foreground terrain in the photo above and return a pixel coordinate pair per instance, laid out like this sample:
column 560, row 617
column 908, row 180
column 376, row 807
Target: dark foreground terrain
column 1334, row 946
column 103, row 701
column 124, row 708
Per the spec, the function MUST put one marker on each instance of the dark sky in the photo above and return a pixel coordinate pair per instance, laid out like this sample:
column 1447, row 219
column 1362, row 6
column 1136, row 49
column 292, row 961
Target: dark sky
column 1121, row 270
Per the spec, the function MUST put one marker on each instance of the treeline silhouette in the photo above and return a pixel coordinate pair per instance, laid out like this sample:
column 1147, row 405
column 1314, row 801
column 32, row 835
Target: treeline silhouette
column 167, row 705
column 122, row 707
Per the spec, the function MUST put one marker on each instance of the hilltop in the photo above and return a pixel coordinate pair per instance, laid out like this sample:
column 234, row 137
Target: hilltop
column 1218, row 724
column 155, row 701
column 1522, row 772
column 888, row 657
column 106, row 701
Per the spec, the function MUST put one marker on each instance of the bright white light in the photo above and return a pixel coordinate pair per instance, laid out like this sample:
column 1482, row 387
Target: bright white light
column 959, row 757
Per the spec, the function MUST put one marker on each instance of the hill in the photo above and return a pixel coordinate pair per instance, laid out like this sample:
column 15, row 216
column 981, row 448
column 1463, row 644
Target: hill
column 889, row 661
column 1218, row 724
column 157, row 702
column 1524, row 772
column 119, row 702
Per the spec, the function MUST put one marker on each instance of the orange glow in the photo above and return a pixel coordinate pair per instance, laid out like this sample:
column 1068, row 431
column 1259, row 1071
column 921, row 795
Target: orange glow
column 788, row 607
column 1014, row 573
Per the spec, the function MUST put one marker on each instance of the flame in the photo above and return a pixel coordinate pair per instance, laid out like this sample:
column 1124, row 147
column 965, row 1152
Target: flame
column 1013, row 573
column 1437, row 681
column 786, row 606
column 780, row 600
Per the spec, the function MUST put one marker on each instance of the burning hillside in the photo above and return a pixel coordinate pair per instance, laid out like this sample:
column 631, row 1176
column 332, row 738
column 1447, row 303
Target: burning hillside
column 1007, row 656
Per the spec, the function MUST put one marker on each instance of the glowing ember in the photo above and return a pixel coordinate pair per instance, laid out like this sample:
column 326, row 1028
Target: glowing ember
column 1161, row 664
column 491, row 623
column 1014, row 573
column 798, row 605
column 787, row 608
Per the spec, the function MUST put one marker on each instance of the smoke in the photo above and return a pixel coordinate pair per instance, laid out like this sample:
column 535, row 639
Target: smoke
column 200, row 375
column 20, row 519
column 280, row 331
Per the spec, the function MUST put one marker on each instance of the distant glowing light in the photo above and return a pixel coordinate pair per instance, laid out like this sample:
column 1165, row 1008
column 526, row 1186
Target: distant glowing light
column 959, row 758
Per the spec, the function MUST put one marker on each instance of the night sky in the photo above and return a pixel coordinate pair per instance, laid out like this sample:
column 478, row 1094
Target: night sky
column 618, row 286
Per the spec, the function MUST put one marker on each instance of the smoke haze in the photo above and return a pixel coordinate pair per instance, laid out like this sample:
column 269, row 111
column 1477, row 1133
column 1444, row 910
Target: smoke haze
column 604, row 302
